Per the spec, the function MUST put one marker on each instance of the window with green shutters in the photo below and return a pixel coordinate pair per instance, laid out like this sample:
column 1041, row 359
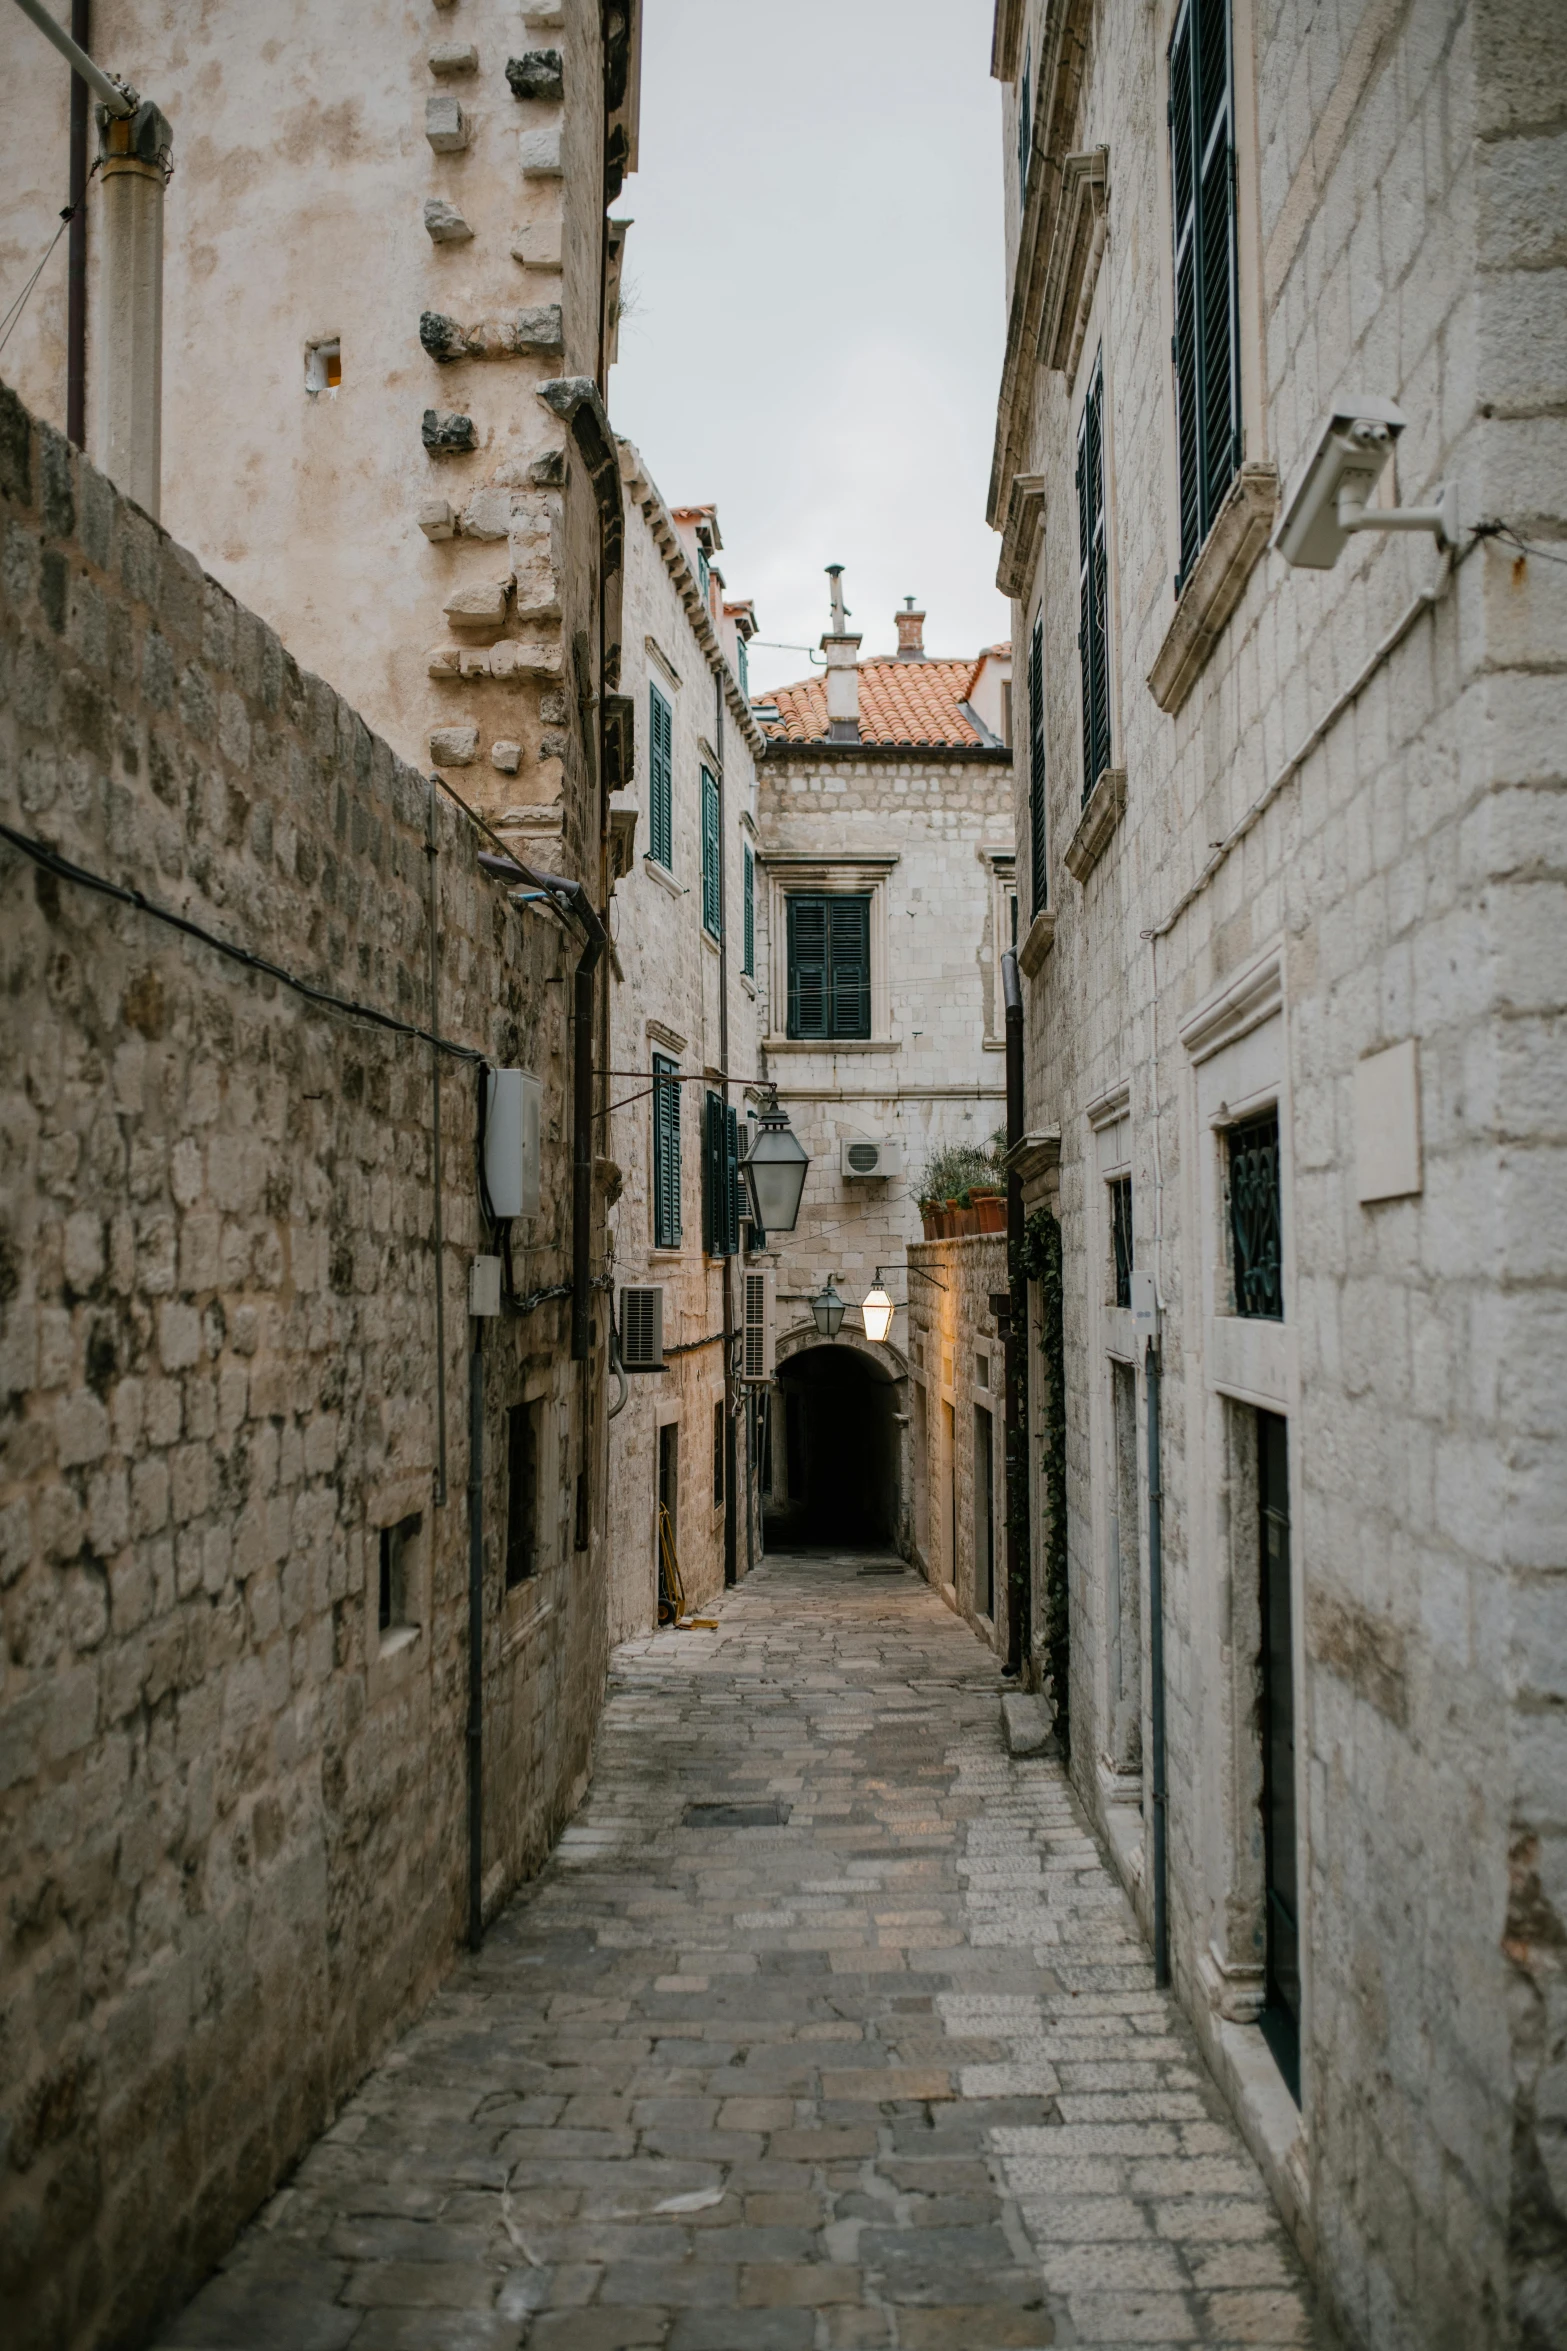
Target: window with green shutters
column 712, row 859
column 661, row 793
column 1039, row 880
column 720, row 1179
column 1206, row 344
column 750, row 914
column 666, row 1153
column 1025, row 123
column 743, row 665
column 829, row 967
column 1093, row 582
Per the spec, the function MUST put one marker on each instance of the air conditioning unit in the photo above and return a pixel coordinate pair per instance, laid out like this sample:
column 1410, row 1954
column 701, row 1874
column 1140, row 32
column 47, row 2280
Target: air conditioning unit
column 642, row 1329
column 759, row 1324
column 512, row 1100
column 858, row 1158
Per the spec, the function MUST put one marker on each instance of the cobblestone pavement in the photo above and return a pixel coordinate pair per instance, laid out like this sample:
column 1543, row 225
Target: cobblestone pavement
column 892, row 2072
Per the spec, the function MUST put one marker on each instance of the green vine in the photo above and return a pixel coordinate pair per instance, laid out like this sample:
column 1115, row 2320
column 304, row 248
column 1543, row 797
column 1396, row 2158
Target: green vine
column 1041, row 1262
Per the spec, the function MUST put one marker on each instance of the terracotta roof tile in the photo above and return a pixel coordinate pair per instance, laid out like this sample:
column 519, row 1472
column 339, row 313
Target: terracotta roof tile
column 900, row 702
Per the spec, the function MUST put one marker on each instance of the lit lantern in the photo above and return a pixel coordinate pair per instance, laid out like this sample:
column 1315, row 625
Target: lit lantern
column 827, row 1310
column 877, row 1311
column 774, row 1170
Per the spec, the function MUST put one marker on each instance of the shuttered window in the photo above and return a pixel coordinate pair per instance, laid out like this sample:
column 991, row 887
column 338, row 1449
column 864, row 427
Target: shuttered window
column 1093, row 583
column 666, row 1153
column 720, row 1179
column 712, row 859
column 1038, row 873
column 750, row 914
column 661, row 795
column 1206, row 347
column 829, row 967
column 1025, row 123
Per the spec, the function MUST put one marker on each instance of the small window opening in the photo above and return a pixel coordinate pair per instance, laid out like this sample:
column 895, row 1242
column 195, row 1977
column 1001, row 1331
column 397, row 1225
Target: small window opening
column 1121, row 1237
column 323, row 367
column 397, row 1560
column 522, row 1493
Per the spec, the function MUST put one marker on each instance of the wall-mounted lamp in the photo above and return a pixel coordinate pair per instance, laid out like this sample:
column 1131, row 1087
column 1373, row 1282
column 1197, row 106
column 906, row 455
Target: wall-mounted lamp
column 877, row 1310
column 827, row 1310
column 774, row 1170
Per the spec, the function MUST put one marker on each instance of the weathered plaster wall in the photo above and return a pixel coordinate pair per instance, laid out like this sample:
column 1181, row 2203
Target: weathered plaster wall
column 232, row 1826
column 1399, row 232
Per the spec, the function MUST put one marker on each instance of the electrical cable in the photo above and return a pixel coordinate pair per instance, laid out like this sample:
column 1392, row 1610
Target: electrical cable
column 11, row 318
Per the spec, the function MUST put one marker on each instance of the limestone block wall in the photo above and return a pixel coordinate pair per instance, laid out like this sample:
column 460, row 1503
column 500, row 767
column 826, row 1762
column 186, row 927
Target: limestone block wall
column 1394, row 188
column 232, row 1808
column 956, row 1370
column 666, row 1000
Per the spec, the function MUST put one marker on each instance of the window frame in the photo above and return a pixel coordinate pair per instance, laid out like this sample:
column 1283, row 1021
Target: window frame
column 1038, row 812
column 748, row 884
column 712, row 855
column 661, row 777
column 720, row 1177
column 1093, row 582
column 664, row 1156
column 523, row 1549
column 1205, row 242
column 1025, row 122
column 831, row 1033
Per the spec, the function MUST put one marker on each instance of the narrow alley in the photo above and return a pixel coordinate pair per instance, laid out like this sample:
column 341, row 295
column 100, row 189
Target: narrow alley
column 825, row 2025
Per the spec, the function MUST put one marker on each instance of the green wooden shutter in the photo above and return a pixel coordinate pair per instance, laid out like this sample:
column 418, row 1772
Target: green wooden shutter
column 666, row 1154
column 1093, row 584
column 1025, row 123
column 731, row 1182
column 660, row 817
column 1206, row 348
column 749, row 965
column 807, row 967
column 712, row 859
column 1038, row 871
column 849, row 966
column 720, row 1178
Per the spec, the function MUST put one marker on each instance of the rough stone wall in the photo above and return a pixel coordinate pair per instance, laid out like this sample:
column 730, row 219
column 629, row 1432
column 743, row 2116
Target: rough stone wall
column 232, row 1813
column 1399, row 232
column 952, row 1339
column 667, row 1001
column 308, row 182
column 933, row 1075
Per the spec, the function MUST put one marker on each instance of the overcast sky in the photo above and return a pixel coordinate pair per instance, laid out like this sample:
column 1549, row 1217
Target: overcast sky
column 815, row 279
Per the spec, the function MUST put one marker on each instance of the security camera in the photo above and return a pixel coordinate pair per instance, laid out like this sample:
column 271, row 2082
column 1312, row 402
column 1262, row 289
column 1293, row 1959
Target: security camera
column 1332, row 497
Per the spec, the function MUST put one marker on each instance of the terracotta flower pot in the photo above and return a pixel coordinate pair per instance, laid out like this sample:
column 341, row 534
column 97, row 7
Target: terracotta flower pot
column 965, row 1221
column 932, row 1220
column 992, row 1211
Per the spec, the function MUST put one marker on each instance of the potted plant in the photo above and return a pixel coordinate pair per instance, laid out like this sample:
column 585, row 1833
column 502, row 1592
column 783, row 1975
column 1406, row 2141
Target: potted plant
column 960, row 1175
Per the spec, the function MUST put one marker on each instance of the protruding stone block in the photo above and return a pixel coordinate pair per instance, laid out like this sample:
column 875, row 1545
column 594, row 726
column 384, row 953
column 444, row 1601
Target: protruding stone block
column 481, row 605
column 537, row 74
column 454, row 57
column 524, row 657
column 446, row 434
column 540, row 329
column 538, row 246
column 442, row 337
column 487, row 514
column 539, row 152
column 454, row 746
column 474, row 661
column 507, row 757
column 445, row 124
column 444, row 224
column 1027, row 1724
column 549, row 471
column 437, row 520
column 443, row 661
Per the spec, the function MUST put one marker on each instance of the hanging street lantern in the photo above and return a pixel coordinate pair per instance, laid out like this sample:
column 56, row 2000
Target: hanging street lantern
column 774, row 1170
column 827, row 1310
column 877, row 1312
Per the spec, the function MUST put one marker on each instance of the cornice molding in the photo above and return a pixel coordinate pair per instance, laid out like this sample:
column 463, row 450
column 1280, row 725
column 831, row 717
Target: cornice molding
column 1214, row 586
column 1243, row 1003
column 1076, row 249
column 1006, row 41
column 1020, row 535
column 1101, row 814
column 1038, row 944
column 645, row 492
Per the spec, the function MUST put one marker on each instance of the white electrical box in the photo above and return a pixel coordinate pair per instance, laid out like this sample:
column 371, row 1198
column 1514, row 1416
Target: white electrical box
column 513, row 1101
column 862, row 1158
column 484, row 1286
column 759, row 1324
column 1145, row 1304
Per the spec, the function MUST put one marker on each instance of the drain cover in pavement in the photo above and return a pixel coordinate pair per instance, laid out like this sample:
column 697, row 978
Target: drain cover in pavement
column 771, row 1815
column 881, row 1567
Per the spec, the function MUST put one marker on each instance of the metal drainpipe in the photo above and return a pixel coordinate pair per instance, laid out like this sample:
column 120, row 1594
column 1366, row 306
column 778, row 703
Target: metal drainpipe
column 431, row 852
column 476, row 1636
column 1161, row 1922
column 731, row 1541
column 1019, row 1545
column 76, row 243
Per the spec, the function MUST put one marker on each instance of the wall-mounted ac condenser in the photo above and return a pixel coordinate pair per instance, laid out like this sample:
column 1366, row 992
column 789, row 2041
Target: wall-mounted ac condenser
column 642, row 1329
column 759, row 1324
column 861, row 1158
column 512, row 1102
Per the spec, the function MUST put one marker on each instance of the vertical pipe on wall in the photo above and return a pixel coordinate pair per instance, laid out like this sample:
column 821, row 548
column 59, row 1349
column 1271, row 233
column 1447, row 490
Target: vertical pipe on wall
column 731, row 1544
column 433, row 902
column 1019, row 1575
column 1161, row 1924
column 76, row 243
column 476, row 1638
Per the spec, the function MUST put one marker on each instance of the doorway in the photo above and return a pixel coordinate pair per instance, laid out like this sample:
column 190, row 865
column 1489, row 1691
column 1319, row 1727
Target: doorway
column 667, row 1515
column 949, row 1482
column 842, row 1448
column 984, row 1514
column 1124, row 1592
column 1281, row 1961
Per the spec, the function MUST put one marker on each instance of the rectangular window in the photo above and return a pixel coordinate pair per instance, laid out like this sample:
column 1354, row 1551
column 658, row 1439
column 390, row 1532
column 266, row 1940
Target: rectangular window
column 743, row 666
column 666, row 1153
column 712, row 859
column 1121, row 1237
column 1256, row 1220
column 749, row 965
column 522, row 1492
column 829, row 967
column 1025, row 123
column 661, row 794
column 704, row 575
column 1093, row 581
column 1039, row 880
column 1206, row 345
column 395, row 1600
column 718, row 1456
column 721, row 1179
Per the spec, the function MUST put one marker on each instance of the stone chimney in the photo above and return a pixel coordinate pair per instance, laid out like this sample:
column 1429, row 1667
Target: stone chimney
column 843, row 676
column 911, row 632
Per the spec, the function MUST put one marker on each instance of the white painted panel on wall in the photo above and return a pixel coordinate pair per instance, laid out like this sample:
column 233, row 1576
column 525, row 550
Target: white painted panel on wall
column 1387, row 1123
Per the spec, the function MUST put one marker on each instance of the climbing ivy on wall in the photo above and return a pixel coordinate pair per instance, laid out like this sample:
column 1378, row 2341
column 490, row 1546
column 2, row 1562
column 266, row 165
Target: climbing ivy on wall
column 1041, row 1262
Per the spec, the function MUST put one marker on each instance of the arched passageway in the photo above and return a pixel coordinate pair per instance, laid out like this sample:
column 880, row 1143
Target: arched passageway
column 833, row 1472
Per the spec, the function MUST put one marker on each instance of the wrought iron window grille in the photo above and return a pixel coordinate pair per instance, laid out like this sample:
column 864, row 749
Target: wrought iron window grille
column 1256, row 1221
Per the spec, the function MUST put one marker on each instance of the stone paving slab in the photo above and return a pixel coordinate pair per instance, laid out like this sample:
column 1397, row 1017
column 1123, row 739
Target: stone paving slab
column 888, row 2072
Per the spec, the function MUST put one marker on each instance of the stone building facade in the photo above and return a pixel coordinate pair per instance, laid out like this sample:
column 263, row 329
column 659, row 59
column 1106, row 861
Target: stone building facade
column 900, row 805
column 683, row 1001
column 1288, row 842
column 957, row 1433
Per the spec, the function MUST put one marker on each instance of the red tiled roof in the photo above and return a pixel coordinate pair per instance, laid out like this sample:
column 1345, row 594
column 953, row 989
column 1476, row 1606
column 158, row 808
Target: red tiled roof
column 900, row 702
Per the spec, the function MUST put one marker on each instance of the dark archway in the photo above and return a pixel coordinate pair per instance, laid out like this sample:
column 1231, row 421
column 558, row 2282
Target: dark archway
column 833, row 1472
